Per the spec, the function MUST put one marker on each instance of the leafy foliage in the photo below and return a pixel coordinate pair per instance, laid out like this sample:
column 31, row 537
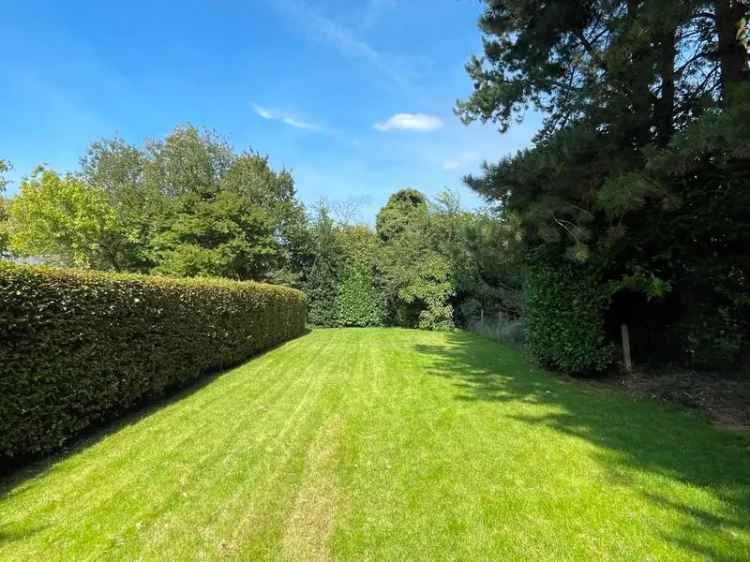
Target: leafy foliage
column 118, row 169
column 226, row 236
column 79, row 347
column 189, row 206
column 563, row 305
column 416, row 276
column 426, row 259
column 403, row 209
column 186, row 205
column 60, row 218
column 359, row 300
column 640, row 169
column 710, row 338
column 321, row 283
column 484, row 252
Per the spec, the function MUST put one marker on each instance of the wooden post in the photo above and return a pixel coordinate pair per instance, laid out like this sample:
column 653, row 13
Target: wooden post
column 497, row 327
column 481, row 319
column 626, row 347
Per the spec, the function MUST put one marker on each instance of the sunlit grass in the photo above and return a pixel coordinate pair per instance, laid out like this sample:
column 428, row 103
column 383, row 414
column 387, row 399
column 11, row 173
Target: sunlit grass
column 387, row 444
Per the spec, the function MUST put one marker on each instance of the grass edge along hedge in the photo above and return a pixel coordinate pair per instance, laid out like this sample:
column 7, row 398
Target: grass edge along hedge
column 78, row 347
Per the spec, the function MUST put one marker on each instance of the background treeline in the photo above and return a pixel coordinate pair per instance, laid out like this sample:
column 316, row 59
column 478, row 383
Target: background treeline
column 190, row 206
column 427, row 264
column 185, row 206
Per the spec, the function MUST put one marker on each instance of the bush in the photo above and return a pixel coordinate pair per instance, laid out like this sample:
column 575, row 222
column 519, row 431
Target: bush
column 564, row 307
column 359, row 303
column 79, row 347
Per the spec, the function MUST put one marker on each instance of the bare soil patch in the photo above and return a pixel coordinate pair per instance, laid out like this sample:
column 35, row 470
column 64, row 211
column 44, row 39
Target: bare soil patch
column 723, row 397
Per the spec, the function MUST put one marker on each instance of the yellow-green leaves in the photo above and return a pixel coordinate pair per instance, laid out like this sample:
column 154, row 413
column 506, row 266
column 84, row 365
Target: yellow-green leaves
column 59, row 218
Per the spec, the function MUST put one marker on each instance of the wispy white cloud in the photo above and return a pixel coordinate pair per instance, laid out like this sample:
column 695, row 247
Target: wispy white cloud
column 262, row 111
column 410, row 122
column 285, row 118
column 297, row 123
column 342, row 38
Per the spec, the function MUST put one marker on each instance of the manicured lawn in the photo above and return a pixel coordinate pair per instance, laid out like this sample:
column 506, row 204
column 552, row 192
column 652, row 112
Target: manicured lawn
column 388, row 444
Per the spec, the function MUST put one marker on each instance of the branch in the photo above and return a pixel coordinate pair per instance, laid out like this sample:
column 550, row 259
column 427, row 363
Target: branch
column 590, row 49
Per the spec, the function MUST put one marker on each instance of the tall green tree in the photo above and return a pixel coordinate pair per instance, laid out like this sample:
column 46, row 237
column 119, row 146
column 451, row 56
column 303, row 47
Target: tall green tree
column 117, row 168
column 360, row 300
column 403, row 209
column 614, row 79
column 484, row 250
column 621, row 85
column 323, row 277
column 189, row 205
column 273, row 197
column 640, row 68
column 226, row 236
column 417, row 278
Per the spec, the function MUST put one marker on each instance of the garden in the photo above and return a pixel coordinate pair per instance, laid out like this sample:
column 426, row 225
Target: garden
column 201, row 361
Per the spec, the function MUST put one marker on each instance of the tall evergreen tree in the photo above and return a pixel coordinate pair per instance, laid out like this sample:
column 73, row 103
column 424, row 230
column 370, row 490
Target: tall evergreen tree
column 625, row 86
column 321, row 283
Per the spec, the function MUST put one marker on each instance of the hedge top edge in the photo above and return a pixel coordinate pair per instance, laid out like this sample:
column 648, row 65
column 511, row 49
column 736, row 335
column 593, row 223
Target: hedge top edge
column 177, row 282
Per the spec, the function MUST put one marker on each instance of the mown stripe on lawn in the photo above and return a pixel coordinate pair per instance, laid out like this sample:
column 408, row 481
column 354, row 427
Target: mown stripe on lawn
column 389, row 444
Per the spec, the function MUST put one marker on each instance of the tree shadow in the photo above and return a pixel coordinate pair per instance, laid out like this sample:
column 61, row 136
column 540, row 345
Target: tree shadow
column 630, row 434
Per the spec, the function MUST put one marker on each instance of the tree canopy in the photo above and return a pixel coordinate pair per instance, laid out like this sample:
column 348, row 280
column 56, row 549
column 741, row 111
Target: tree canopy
column 61, row 218
column 639, row 170
column 187, row 205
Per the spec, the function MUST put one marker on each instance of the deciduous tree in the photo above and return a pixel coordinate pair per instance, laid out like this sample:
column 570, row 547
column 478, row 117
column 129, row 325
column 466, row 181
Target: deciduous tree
column 60, row 219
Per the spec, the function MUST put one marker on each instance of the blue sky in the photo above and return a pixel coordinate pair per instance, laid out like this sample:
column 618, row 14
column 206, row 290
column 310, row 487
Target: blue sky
column 354, row 97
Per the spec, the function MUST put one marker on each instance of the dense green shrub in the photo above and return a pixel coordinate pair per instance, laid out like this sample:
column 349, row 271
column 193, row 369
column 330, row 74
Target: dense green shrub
column 77, row 347
column 359, row 303
column 322, row 278
column 564, row 307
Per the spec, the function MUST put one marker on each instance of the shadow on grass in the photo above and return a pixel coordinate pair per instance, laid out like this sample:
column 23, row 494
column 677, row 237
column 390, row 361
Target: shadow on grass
column 630, row 434
column 12, row 477
column 28, row 469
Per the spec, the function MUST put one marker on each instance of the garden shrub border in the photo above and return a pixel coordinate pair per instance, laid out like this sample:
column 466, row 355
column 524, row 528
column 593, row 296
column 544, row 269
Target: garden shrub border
column 79, row 347
column 564, row 307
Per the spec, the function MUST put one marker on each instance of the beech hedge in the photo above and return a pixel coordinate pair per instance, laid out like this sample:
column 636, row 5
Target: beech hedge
column 78, row 347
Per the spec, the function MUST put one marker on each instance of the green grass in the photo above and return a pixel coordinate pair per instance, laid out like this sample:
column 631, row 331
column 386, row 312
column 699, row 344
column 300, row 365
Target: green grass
column 387, row 444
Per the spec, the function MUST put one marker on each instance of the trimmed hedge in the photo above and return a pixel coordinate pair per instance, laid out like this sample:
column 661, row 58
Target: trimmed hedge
column 77, row 347
column 564, row 306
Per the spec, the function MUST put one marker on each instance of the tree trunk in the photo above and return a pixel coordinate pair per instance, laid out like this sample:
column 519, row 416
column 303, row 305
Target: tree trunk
column 732, row 54
column 638, row 82
column 664, row 110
